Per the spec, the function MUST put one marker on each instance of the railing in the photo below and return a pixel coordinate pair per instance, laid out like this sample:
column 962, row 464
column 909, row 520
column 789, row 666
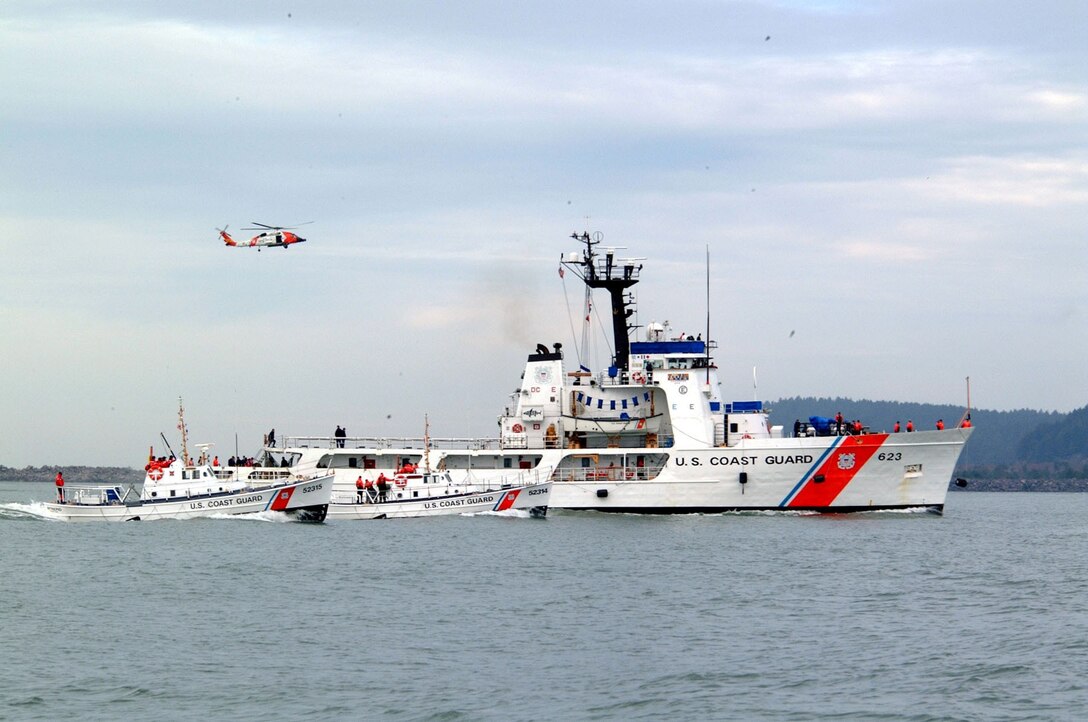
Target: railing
column 609, row 473
column 261, row 473
column 510, row 477
column 389, row 442
column 97, row 495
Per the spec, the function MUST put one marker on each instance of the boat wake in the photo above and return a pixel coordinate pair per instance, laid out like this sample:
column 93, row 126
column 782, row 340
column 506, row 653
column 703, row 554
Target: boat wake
column 766, row 512
column 908, row 510
column 35, row 510
column 38, row 511
column 274, row 517
column 508, row 513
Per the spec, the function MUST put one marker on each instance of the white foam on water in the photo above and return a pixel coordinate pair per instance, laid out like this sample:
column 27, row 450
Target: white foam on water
column 909, row 510
column 511, row 513
column 275, row 517
column 36, row 509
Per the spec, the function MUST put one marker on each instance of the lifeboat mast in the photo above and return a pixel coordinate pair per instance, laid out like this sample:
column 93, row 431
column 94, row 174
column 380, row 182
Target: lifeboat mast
column 614, row 275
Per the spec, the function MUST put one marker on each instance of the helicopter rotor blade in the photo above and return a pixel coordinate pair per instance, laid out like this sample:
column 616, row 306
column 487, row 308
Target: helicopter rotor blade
column 265, row 227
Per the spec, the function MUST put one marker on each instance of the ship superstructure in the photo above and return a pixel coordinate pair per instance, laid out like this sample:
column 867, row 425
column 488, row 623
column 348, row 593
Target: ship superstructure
column 652, row 432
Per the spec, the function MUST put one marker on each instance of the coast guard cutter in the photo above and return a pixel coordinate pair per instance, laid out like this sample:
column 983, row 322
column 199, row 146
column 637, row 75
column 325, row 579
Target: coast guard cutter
column 652, row 433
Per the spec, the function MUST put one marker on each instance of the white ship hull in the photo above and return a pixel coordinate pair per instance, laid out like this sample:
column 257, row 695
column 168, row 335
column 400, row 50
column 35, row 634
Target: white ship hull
column 827, row 474
column 307, row 499
column 532, row 498
column 822, row 473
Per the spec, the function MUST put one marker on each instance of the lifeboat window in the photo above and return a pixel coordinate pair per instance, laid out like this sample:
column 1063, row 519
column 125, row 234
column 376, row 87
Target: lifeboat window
column 353, row 463
column 507, row 463
column 415, row 493
column 173, row 492
column 733, row 428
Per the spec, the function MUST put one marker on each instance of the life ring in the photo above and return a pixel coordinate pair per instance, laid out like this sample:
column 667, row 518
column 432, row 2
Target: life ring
column 155, row 472
column 746, row 436
column 638, row 377
column 401, row 481
column 517, row 428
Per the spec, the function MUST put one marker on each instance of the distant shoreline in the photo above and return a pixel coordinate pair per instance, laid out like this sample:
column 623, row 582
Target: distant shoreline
column 74, row 474
column 1063, row 485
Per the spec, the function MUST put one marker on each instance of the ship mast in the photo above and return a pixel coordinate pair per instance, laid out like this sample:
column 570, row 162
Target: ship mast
column 184, row 433
column 426, row 444
column 614, row 275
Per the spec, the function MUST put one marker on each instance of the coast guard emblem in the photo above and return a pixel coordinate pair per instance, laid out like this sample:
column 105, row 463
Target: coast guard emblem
column 846, row 461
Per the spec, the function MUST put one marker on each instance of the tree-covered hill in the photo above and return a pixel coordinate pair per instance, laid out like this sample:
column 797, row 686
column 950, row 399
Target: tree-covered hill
column 1062, row 439
column 74, row 474
column 1000, row 437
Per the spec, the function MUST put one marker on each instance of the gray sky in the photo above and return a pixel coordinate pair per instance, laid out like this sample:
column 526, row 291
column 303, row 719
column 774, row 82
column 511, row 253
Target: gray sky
column 902, row 185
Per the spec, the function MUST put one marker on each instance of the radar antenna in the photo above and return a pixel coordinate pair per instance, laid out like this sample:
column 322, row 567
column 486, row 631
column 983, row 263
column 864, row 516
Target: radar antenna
column 615, row 275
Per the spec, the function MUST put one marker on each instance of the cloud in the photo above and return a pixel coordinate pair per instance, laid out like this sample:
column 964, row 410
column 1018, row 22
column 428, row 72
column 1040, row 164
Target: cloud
column 885, row 252
column 1032, row 181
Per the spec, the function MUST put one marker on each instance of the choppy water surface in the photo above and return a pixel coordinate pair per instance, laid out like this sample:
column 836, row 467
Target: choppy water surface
column 979, row 614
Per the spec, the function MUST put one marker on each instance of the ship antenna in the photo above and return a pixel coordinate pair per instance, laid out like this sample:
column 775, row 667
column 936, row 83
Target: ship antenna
column 967, row 413
column 707, row 337
column 184, row 433
column 168, row 448
column 426, row 444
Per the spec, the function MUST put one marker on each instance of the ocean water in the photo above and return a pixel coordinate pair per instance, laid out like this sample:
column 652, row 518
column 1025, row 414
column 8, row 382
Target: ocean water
column 981, row 614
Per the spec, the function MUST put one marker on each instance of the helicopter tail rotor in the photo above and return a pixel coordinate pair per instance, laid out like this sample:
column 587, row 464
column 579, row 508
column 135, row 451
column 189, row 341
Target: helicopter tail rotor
column 226, row 236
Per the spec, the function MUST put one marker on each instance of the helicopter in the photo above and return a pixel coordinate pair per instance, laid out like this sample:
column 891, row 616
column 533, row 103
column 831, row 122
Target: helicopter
column 269, row 236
